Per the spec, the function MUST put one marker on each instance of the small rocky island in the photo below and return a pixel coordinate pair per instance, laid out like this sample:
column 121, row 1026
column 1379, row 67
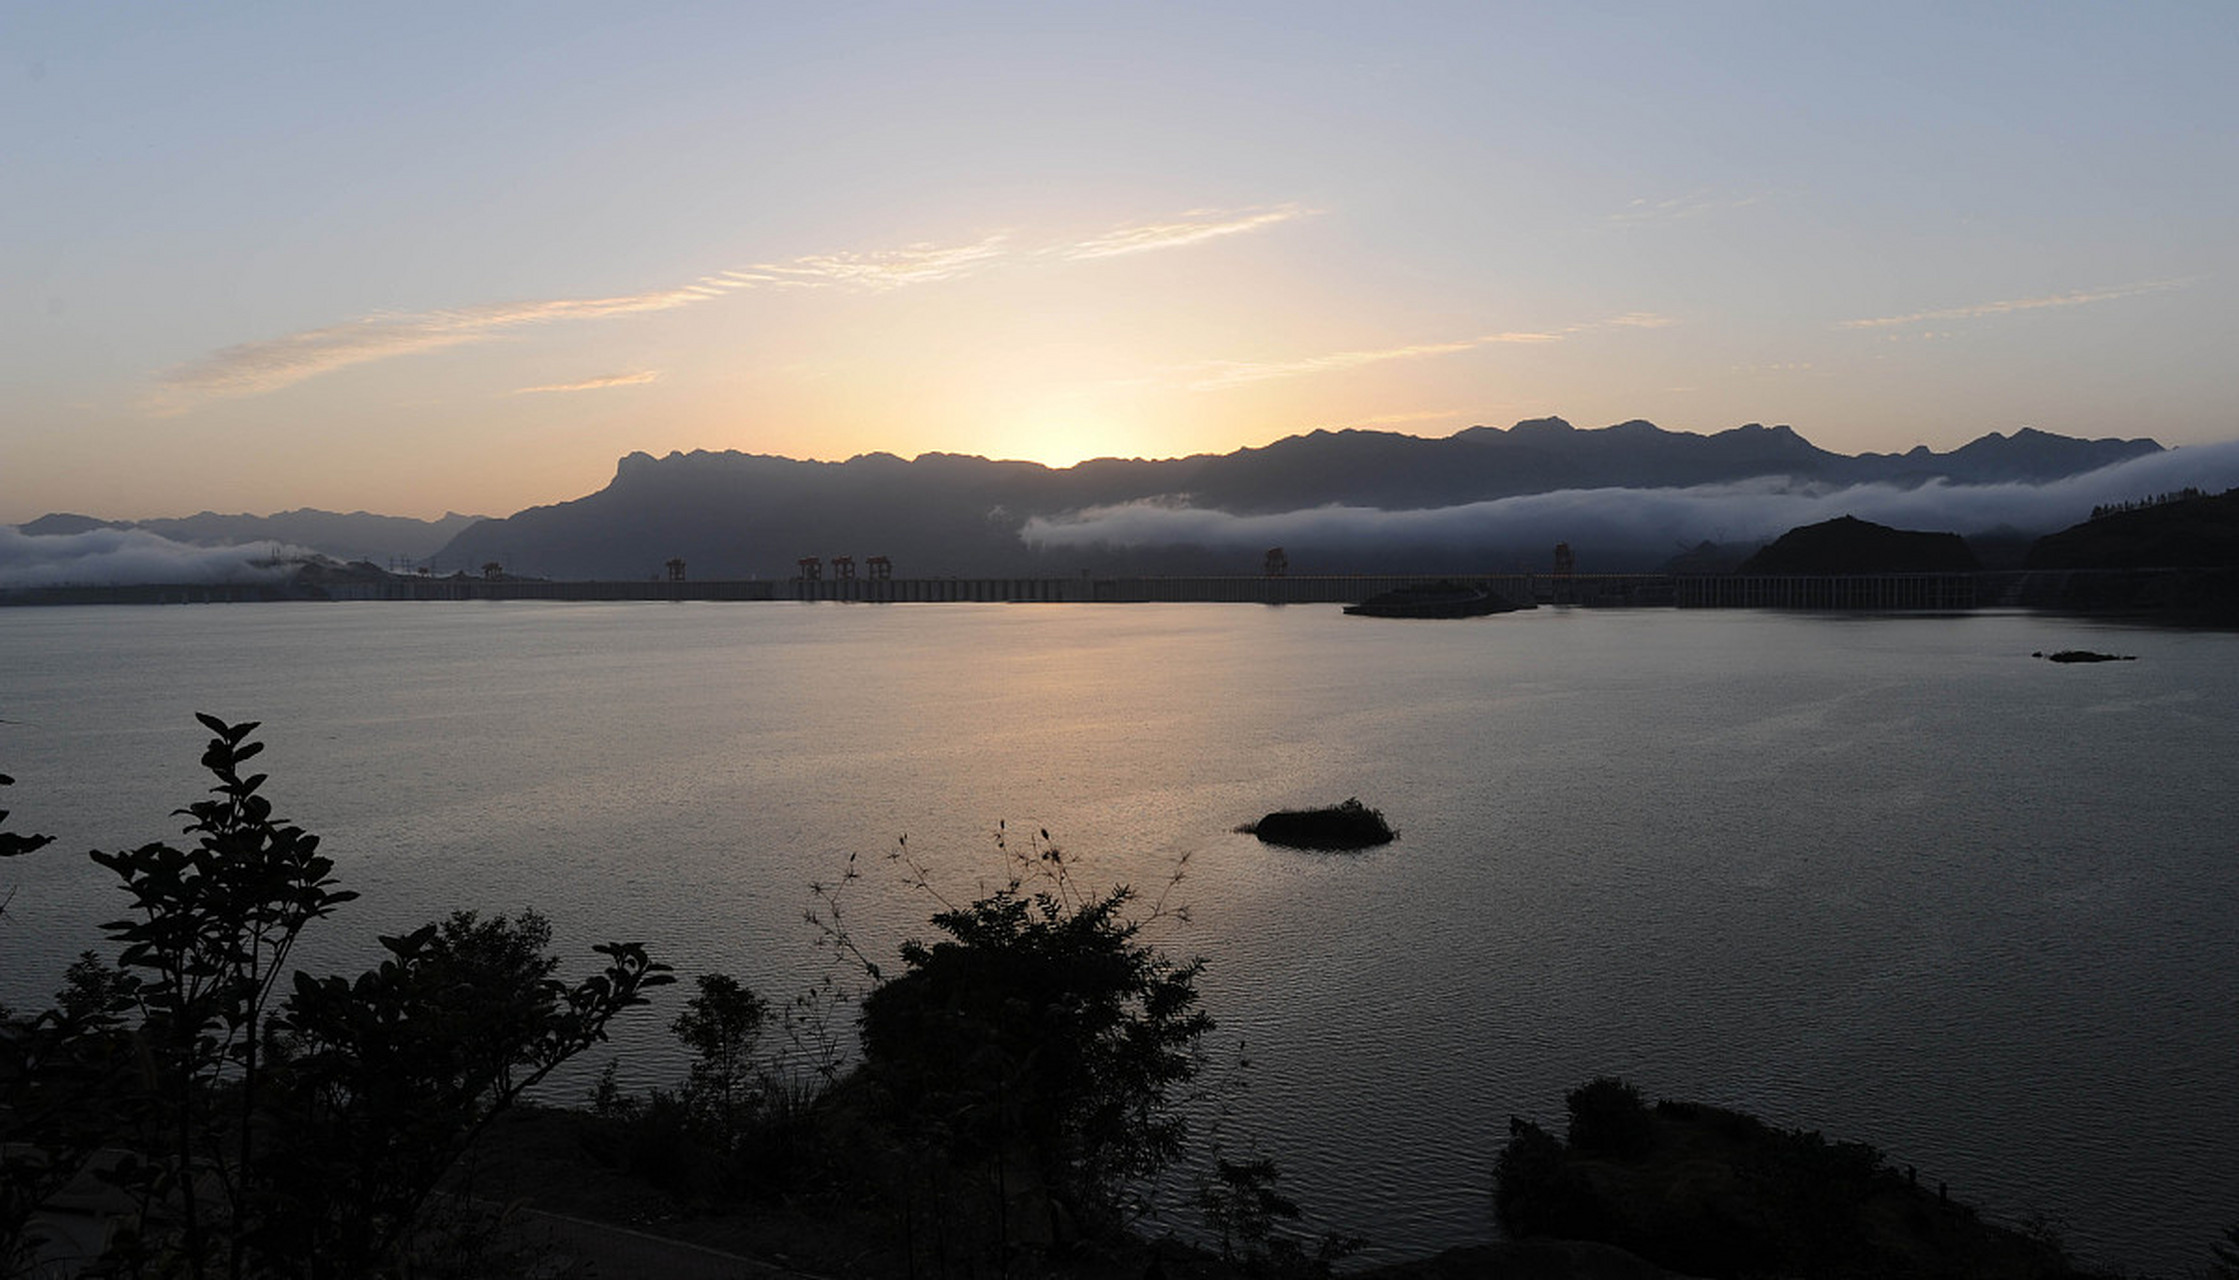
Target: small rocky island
column 2084, row 655
column 1347, row 826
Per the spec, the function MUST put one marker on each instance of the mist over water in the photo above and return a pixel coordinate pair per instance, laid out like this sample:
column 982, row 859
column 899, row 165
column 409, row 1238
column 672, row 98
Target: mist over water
column 1611, row 528
column 1656, row 520
column 1885, row 877
column 106, row 557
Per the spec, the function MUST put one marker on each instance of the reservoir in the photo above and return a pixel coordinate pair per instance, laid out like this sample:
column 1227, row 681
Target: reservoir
column 1885, row 876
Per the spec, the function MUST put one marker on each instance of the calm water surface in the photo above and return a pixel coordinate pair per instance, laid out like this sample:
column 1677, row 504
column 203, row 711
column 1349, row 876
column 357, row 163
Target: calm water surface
column 1886, row 877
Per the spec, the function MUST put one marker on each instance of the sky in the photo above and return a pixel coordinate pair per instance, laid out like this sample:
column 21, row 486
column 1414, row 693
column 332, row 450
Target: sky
column 415, row 258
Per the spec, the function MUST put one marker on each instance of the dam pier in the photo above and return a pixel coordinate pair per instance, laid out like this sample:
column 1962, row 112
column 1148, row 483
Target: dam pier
column 1939, row 592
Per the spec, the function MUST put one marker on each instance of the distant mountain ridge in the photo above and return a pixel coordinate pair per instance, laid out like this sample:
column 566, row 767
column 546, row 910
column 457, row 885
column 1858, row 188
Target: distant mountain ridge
column 355, row 535
column 734, row 514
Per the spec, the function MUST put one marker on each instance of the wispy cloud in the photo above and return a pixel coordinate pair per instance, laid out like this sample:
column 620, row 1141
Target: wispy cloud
column 1216, row 375
column 271, row 364
column 594, row 384
column 879, row 269
column 2078, row 298
column 255, row 368
column 1692, row 205
column 1190, row 228
column 1231, row 373
column 1393, row 419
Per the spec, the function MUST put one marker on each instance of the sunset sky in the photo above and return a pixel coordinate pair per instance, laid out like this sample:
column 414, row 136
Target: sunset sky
column 412, row 257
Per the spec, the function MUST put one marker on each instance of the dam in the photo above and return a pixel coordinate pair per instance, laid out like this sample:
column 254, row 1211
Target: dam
column 1892, row 592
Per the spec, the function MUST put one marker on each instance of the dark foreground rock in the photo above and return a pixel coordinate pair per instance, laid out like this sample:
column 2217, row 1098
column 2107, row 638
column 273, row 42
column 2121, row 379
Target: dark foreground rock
column 1351, row 825
column 1711, row 1192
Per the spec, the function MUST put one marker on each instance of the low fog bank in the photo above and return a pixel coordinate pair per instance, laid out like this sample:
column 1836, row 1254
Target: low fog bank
column 1639, row 528
column 133, row 557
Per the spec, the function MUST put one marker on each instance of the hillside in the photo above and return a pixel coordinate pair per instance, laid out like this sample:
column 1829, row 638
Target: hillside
column 2174, row 560
column 2192, row 533
column 1847, row 544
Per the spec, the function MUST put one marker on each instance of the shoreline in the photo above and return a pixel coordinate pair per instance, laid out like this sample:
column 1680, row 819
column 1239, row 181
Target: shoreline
column 2185, row 597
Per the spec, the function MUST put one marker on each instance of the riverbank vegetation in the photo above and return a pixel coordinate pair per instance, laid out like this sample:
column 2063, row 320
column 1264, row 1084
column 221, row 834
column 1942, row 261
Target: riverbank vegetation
column 1020, row 1099
column 1021, row 1084
column 1020, row 1081
column 229, row 1115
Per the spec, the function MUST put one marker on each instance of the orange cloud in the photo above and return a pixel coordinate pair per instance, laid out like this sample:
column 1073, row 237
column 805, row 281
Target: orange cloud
column 593, row 384
column 1190, row 228
column 880, row 269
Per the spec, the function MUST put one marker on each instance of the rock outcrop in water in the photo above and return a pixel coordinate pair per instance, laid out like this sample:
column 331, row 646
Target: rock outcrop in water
column 1351, row 825
column 2084, row 655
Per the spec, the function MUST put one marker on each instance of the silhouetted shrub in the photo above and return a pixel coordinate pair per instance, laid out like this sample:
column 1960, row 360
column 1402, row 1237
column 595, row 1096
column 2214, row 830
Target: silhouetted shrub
column 1608, row 1117
column 721, row 1025
column 264, row 1134
column 1537, row 1193
column 1042, row 1037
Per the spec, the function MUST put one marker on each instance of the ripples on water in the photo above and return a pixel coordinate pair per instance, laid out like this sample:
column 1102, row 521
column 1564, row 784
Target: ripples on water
column 1886, row 877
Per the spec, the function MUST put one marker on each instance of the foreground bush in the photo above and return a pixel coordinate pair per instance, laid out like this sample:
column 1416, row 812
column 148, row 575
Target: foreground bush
column 1038, row 1049
column 271, row 1135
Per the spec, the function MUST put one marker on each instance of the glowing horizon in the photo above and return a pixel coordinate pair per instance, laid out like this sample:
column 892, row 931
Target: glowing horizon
column 470, row 272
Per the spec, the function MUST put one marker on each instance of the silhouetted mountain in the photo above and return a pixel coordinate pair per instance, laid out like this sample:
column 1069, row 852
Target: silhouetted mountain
column 1847, row 544
column 2026, row 455
column 1641, row 455
column 357, row 535
column 62, row 524
column 744, row 515
column 2177, row 561
column 740, row 515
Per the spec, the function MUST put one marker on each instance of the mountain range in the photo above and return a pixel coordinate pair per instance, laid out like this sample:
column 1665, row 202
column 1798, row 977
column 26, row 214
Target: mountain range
column 1626, row 497
column 735, row 515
